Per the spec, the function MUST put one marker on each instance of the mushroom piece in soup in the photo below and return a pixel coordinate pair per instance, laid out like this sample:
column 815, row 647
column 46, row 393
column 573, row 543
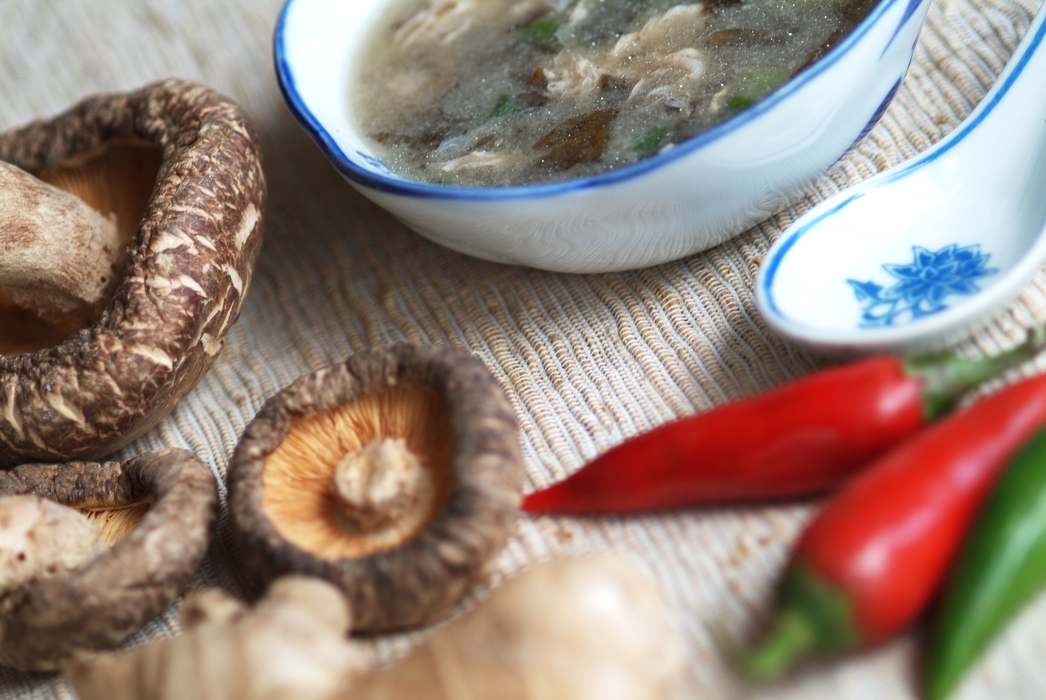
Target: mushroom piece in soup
column 495, row 93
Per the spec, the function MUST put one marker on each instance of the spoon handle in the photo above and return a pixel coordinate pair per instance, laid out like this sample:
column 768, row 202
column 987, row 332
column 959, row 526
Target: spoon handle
column 929, row 248
column 1012, row 115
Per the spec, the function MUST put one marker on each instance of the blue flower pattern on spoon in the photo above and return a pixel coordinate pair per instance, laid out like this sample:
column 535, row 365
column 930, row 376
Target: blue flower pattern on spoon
column 923, row 286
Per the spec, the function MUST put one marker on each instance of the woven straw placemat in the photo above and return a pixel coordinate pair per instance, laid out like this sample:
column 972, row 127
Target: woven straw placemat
column 586, row 360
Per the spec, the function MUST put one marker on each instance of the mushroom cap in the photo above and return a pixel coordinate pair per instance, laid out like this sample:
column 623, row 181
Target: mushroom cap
column 420, row 579
column 97, row 606
column 189, row 266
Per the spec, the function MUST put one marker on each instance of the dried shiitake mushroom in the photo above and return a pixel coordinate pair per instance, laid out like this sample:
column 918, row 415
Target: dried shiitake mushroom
column 395, row 475
column 103, row 332
column 62, row 591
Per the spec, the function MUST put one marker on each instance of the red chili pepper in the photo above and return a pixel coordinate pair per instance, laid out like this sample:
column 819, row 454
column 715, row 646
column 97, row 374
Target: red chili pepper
column 868, row 564
column 799, row 439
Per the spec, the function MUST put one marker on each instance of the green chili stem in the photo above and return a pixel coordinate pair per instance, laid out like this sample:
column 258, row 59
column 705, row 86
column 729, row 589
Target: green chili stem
column 792, row 638
column 948, row 377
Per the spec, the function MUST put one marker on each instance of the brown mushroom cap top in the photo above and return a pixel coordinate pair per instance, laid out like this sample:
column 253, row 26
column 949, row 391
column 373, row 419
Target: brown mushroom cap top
column 189, row 267
column 98, row 605
column 435, row 411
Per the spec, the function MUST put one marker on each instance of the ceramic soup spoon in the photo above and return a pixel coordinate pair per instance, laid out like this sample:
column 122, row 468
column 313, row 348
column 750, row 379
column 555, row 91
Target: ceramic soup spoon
column 917, row 256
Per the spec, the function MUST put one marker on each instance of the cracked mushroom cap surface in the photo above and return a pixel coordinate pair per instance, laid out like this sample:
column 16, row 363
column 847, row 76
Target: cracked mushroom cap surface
column 66, row 608
column 395, row 475
column 189, row 204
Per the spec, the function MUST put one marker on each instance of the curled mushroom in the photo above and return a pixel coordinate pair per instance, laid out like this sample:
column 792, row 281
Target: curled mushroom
column 395, row 475
column 76, row 595
column 177, row 166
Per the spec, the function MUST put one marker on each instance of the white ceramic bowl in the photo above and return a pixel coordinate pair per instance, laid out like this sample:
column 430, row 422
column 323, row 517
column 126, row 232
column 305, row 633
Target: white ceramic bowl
column 694, row 196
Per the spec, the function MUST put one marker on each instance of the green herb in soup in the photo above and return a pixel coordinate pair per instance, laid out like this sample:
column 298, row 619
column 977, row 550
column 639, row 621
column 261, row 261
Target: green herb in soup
column 513, row 92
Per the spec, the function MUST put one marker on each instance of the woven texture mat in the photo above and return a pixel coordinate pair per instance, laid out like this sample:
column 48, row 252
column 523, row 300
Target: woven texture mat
column 586, row 360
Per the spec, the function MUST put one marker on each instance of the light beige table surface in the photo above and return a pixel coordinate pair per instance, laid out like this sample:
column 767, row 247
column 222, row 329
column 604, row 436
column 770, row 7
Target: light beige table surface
column 586, row 360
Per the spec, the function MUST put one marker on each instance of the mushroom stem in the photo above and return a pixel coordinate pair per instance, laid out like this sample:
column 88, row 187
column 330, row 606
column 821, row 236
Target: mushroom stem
column 59, row 258
column 41, row 539
column 382, row 486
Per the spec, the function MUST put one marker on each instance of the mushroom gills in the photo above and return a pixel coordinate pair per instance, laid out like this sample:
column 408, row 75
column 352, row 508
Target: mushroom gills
column 23, row 331
column 116, row 523
column 115, row 180
column 363, row 477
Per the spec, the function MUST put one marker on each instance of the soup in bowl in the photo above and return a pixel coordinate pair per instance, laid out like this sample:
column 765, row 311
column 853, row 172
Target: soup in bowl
column 589, row 135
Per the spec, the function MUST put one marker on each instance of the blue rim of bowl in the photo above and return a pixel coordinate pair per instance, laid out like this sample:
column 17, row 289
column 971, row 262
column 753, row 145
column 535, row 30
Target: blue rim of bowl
column 765, row 285
column 345, row 165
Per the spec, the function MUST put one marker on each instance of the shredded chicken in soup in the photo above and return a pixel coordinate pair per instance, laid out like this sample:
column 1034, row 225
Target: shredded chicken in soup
column 512, row 92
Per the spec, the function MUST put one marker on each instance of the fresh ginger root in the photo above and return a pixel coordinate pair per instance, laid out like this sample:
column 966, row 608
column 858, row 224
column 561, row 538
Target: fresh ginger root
column 589, row 629
column 59, row 258
column 291, row 646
